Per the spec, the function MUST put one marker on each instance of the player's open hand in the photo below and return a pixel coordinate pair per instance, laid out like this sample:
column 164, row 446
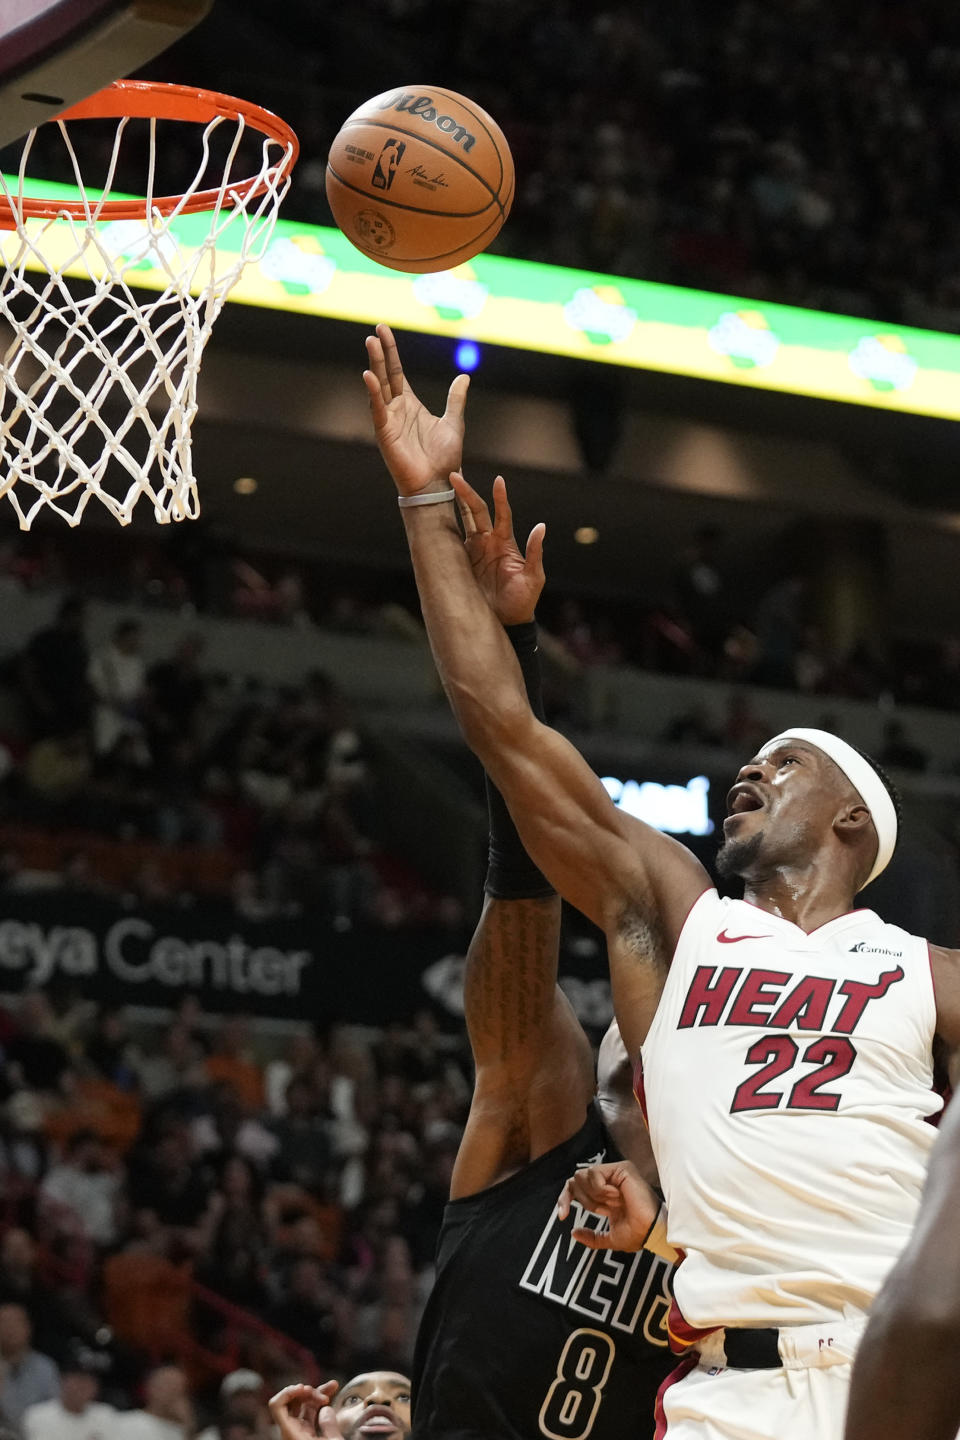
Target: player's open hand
column 302, row 1412
column 618, row 1191
column 510, row 579
column 419, row 449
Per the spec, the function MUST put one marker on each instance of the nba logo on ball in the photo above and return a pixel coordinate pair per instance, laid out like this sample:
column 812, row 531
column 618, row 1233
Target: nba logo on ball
column 387, row 163
column 442, row 178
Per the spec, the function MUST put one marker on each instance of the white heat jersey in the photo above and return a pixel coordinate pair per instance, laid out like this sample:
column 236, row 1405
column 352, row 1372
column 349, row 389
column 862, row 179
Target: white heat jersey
column 786, row 1078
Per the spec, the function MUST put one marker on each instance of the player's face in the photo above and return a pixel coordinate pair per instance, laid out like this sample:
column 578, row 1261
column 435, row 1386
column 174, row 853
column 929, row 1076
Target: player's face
column 375, row 1405
column 781, row 809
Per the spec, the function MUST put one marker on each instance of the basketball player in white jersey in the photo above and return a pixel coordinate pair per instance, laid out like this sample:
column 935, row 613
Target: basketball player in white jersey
column 785, row 1038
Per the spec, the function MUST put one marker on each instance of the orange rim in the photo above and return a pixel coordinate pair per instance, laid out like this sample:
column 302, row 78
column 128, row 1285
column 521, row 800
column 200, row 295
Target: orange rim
column 152, row 99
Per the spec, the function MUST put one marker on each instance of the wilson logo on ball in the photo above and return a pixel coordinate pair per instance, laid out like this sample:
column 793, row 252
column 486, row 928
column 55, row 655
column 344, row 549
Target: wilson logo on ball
column 388, row 163
column 423, row 107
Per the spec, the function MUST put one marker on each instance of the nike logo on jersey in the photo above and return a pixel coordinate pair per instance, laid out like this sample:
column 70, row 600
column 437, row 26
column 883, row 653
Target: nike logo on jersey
column 594, row 1160
column 726, row 939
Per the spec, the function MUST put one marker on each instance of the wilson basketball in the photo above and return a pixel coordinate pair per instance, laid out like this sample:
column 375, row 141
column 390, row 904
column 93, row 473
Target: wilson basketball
column 420, row 178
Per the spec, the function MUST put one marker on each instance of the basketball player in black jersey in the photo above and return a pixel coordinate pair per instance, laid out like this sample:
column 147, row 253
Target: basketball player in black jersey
column 526, row 1333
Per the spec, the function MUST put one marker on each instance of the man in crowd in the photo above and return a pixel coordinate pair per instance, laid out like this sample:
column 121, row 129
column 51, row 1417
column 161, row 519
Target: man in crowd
column 26, row 1377
column 242, row 1403
column 76, row 1414
column 167, row 1412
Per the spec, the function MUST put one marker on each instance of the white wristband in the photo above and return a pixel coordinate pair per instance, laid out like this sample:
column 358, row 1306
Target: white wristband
column 436, row 497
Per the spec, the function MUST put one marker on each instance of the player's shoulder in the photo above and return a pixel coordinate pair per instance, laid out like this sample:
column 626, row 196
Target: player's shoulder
column 874, row 935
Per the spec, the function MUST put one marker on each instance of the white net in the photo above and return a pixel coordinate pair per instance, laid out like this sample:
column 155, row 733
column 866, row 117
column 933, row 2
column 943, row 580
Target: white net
column 98, row 379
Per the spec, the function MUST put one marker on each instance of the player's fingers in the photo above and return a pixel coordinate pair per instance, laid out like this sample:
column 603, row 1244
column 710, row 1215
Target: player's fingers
column 593, row 1240
column 327, row 1425
column 289, row 1396
column 457, row 399
column 466, row 495
column 378, row 406
column 391, row 359
column 533, row 558
column 503, row 515
column 378, row 366
column 563, row 1204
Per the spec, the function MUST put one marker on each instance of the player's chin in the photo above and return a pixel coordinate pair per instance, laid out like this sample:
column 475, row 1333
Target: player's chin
column 741, row 846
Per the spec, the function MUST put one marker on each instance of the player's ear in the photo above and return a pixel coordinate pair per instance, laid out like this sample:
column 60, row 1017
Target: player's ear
column 853, row 820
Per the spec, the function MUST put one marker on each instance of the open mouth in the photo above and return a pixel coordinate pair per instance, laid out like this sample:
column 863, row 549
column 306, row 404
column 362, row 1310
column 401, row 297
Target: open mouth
column 742, row 799
column 378, row 1421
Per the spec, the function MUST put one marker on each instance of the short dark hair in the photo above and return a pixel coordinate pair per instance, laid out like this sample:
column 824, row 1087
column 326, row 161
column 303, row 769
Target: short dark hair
column 888, row 784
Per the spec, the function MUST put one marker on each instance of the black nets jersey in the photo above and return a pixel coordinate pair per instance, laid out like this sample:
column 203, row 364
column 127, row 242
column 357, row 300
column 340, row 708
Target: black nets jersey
column 528, row 1334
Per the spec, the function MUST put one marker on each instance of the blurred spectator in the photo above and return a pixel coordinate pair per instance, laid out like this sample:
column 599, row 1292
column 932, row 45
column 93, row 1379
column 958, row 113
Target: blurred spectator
column 693, row 727
column 32, row 1052
column 231, row 1062
column 80, row 1194
column 76, row 1414
column 243, row 1401
column 21, row 1284
column 117, row 676
column 177, row 690
column 177, row 1063
column 166, row 1183
column 899, row 751
column 307, row 1312
column 303, row 1135
column 700, row 590
column 109, row 1049
column 58, row 772
column 26, row 1377
column 779, row 628
column 54, row 673
column 167, row 1412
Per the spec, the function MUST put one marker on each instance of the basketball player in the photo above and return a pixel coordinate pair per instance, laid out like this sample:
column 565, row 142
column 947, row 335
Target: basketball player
column 524, row 1333
column 372, row 1405
column 906, row 1380
column 786, row 1039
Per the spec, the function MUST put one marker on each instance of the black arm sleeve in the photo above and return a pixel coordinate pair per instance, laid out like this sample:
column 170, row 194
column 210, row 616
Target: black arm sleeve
column 511, row 874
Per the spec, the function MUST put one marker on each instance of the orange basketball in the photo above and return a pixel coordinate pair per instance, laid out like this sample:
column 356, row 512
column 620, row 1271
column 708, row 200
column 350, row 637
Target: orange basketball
column 420, row 178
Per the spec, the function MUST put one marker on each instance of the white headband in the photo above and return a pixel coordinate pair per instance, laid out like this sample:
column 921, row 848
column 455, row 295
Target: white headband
column 864, row 780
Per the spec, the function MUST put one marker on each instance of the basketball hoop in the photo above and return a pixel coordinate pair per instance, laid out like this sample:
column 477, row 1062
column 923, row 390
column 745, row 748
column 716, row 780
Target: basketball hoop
column 97, row 384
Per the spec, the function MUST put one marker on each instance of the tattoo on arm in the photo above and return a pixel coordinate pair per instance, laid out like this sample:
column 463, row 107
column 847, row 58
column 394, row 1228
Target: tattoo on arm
column 510, row 979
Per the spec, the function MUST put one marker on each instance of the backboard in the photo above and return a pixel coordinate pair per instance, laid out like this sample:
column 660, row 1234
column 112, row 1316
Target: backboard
column 55, row 52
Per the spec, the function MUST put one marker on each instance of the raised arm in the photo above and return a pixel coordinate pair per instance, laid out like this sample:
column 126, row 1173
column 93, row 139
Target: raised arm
column 534, row 1066
column 905, row 1379
column 625, row 876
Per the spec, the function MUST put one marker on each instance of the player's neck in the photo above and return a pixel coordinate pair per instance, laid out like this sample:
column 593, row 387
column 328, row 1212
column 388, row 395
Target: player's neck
column 807, row 898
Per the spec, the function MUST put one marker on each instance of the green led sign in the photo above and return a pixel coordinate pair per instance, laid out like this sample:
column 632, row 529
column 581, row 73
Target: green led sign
column 313, row 270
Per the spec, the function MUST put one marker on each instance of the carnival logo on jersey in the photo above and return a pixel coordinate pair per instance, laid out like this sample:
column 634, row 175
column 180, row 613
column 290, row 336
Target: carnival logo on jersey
column 862, row 948
column 731, row 995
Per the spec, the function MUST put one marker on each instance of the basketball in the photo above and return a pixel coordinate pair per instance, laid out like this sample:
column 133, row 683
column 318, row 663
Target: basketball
column 420, row 178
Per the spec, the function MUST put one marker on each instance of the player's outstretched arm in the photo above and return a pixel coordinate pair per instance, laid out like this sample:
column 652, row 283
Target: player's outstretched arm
column 906, row 1380
column 613, row 868
column 534, row 1066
